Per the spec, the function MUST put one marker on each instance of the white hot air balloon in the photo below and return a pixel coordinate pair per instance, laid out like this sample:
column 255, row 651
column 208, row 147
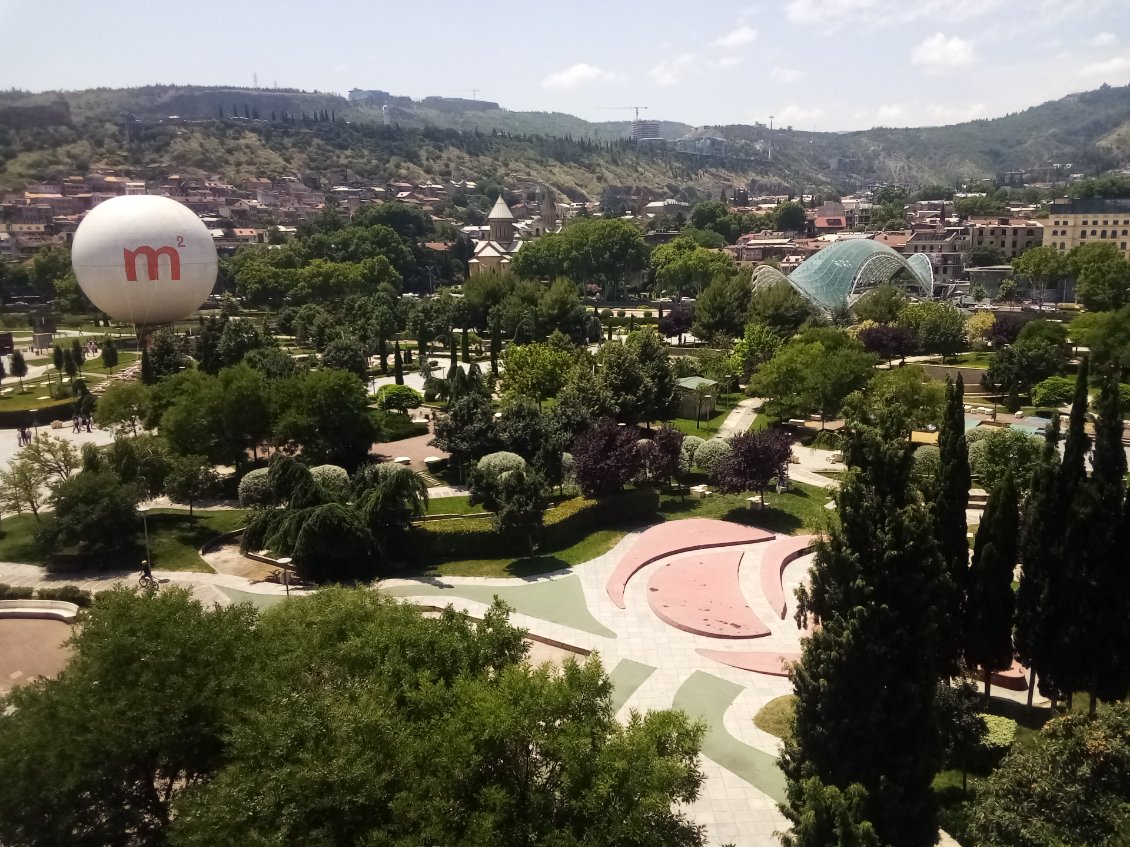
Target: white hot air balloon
column 144, row 259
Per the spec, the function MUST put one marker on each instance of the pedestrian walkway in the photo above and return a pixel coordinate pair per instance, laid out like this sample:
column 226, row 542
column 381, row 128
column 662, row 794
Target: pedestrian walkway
column 740, row 419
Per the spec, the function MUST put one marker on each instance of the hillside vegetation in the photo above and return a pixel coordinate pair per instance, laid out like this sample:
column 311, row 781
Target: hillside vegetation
column 239, row 132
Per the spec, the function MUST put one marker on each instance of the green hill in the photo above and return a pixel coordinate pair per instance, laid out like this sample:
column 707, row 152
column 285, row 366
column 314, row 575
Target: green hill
column 235, row 133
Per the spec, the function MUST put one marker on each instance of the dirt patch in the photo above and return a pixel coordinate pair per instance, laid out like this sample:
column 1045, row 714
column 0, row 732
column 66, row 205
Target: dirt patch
column 30, row 649
column 227, row 559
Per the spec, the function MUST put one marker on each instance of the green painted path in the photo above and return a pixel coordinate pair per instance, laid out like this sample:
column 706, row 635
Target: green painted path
column 560, row 601
column 706, row 697
column 626, row 677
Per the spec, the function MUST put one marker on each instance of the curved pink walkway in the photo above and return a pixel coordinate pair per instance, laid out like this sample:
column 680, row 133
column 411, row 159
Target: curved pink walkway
column 700, row 594
column 773, row 664
column 673, row 537
column 774, row 559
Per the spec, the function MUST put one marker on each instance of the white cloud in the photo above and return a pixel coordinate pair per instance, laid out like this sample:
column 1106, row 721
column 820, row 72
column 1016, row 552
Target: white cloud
column 785, row 74
column 890, row 112
column 794, row 114
column 942, row 114
column 1104, row 39
column 938, row 53
column 729, row 62
column 670, row 71
column 1107, row 70
column 826, row 12
column 576, row 75
column 736, row 38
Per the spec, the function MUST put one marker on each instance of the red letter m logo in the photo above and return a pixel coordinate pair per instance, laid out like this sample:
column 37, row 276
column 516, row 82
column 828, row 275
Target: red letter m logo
column 152, row 260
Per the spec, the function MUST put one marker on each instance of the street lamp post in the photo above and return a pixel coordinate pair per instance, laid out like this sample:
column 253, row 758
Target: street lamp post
column 145, row 523
column 285, row 562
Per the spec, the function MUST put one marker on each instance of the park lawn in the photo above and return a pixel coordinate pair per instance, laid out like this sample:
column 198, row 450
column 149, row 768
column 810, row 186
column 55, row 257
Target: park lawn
column 800, row 509
column 980, row 359
column 174, row 538
column 453, row 506
column 776, row 717
column 707, row 427
column 588, row 548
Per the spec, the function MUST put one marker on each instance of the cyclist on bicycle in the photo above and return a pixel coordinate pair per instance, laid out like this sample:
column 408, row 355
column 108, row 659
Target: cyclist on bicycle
column 146, row 571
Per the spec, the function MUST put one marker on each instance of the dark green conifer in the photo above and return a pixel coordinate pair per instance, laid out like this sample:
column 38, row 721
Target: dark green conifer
column 951, row 528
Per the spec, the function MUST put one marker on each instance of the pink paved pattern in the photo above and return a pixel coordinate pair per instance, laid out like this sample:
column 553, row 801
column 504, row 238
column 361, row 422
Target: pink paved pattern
column 673, row 537
column 773, row 664
column 775, row 558
column 700, row 594
column 1013, row 679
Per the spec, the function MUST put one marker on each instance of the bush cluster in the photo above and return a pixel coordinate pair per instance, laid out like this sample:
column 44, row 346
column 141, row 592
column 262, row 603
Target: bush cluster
column 64, row 593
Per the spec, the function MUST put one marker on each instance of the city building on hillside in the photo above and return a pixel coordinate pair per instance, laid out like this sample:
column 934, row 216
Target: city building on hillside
column 831, row 217
column 493, row 254
column 1011, row 236
column 645, row 130
column 947, row 249
column 1101, row 219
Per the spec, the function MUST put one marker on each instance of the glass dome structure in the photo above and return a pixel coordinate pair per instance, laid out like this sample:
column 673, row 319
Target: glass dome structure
column 842, row 272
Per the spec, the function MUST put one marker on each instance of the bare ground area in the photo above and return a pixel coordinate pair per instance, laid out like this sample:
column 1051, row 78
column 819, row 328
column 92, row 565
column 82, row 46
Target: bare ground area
column 227, row 559
column 30, row 649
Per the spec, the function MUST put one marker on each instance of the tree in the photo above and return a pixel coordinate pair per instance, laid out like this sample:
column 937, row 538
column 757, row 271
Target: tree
column 122, row 407
column 1007, row 291
column 109, row 354
column 57, row 458
column 167, row 354
column 399, row 398
column 140, row 715
column 874, row 592
column 23, row 485
column 398, row 365
column 990, row 606
column 809, row 376
column 70, row 366
column 272, row 362
column 1016, row 369
column 778, row 306
column 950, row 527
column 571, row 737
column 1043, row 265
column 977, row 293
column 327, row 413
column 1069, row 787
column 754, row 459
column 94, row 511
column 986, row 256
column 57, row 359
column 823, row 815
column 78, row 354
column 659, row 396
column 676, row 323
column 683, row 267
column 881, row 304
column 791, row 217
column 604, row 457
column 1003, row 452
column 388, row 497
column 664, row 459
column 537, row 371
column 467, row 431
column 756, row 347
column 345, row 354
column 906, row 393
column 888, row 341
column 939, row 326
column 18, row 367
column 1053, row 392
column 238, row 337
column 520, row 505
column 190, row 478
column 146, row 375
column 720, row 308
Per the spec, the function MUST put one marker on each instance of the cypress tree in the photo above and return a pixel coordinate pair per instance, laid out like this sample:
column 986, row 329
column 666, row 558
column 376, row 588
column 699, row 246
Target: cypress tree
column 1039, row 550
column 398, row 365
column 1105, row 616
column 950, row 526
column 1073, row 470
column 495, row 342
column 874, row 591
column 454, row 351
column 146, row 369
column 991, row 604
column 466, row 346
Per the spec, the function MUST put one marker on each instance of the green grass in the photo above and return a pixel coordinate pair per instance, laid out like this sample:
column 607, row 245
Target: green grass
column 174, row 538
column 588, row 548
column 453, row 506
column 776, row 716
column 707, row 427
column 980, row 359
column 801, row 509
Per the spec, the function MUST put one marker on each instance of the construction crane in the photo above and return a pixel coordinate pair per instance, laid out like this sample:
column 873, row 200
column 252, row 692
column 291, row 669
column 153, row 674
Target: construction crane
column 474, row 92
column 621, row 108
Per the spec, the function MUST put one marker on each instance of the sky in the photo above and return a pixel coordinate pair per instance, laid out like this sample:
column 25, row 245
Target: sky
column 811, row 64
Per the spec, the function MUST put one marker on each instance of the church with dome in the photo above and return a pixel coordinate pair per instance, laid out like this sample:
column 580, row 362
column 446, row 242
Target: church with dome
column 504, row 235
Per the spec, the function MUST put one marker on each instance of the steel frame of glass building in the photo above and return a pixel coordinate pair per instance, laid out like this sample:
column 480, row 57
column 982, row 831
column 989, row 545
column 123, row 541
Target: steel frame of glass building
column 842, row 272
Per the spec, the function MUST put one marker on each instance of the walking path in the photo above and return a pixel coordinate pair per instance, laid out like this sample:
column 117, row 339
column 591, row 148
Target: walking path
column 740, row 418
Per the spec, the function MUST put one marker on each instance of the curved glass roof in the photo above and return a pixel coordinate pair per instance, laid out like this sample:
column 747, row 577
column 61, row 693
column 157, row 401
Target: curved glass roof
column 841, row 272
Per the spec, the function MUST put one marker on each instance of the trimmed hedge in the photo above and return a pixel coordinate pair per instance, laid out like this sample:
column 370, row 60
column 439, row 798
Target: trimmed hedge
column 565, row 524
column 68, row 594
column 61, row 411
column 15, row 592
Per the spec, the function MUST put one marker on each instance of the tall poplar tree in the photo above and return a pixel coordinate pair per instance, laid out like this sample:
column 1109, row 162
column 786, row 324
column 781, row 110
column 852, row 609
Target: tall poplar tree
column 1039, row 552
column 398, row 365
column 990, row 604
column 950, row 526
column 867, row 678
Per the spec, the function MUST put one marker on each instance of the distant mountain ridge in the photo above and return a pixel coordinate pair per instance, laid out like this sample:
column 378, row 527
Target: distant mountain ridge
column 1091, row 130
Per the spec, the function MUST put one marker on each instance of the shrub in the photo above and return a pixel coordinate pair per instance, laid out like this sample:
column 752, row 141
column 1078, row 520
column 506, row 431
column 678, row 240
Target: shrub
column 393, row 426
column 500, row 463
column 15, row 592
column 978, row 433
column 332, row 481
column 647, row 314
column 1053, row 391
column 927, row 465
column 710, row 453
column 255, row 489
column 67, row 594
column 691, row 445
column 605, row 314
column 398, row 398
column 620, row 313
column 430, row 395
